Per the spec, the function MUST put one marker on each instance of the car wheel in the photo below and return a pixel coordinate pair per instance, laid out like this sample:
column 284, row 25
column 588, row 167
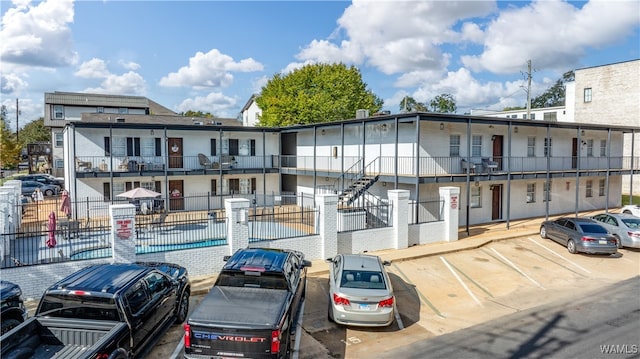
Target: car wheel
column 48, row 192
column 619, row 242
column 330, row 312
column 183, row 308
column 571, row 247
column 627, row 212
column 9, row 324
column 543, row 232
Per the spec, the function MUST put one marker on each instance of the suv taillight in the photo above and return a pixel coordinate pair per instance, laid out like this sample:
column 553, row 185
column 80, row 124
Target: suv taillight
column 340, row 300
column 275, row 341
column 386, row 303
column 187, row 336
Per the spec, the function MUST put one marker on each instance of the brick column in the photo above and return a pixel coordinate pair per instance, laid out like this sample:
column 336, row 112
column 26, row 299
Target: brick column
column 237, row 210
column 123, row 233
column 7, row 227
column 399, row 199
column 451, row 210
column 328, row 204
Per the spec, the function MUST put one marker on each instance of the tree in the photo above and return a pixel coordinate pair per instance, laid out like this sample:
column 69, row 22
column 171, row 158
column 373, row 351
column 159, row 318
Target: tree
column 555, row 95
column 513, row 108
column 9, row 146
column 191, row 113
column 444, row 103
column 35, row 132
column 409, row 104
column 314, row 94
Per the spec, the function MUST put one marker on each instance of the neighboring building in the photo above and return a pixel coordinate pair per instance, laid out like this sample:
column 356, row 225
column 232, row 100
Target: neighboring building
column 250, row 113
column 608, row 95
column 61, row 108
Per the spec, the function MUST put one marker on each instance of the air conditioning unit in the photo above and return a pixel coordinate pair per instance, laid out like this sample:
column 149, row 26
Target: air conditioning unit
column 198, row 123
column 362, row 114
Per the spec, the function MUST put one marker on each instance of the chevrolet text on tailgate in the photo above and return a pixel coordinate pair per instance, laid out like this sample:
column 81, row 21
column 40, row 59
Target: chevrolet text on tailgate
column 252, row 308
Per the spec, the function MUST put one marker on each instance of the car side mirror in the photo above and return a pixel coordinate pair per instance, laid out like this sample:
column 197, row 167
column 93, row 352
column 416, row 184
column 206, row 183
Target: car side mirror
column 386, row 263
column 306, row 263
column 226, row 258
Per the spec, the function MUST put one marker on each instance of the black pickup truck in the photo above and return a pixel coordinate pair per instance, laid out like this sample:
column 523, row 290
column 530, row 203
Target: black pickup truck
column 109, row 311
column 13, row 310
column 252, row 309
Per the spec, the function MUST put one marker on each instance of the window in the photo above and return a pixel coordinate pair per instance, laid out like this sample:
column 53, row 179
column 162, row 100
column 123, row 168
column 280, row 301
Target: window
column 136, row 297
column 476, row 199
column 547, row 147
column 531, row 192
column 603, row 148
column 214, row 187
column 476, row 146
column 107, row 146
column 533, row 116
column 589, row 188
column 547, row 191
column 454, row 145
column 119, row 146
column 590, row 148
column 550, row 116
column 133, row 146
column 106, row 191
column 157, row 283
column 123, row 110
column 148, row 146
column 118, row 187
column 212, row 147
column 100, row 109
column 252, row 147
column 601, row 187
column 587, row 94
column 234, row 149
column 58, row 112
column 234, row 185
column 524, row 116
column 59, row 163
column 59, row 139
column 531, row 146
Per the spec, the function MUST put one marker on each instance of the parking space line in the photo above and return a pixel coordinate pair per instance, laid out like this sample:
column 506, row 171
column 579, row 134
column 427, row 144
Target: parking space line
column 570, row 261
column 461, row 281
column 555, row 262
column 516, row 268
column 397, row 315
column 178, row 349
column 296, row 343
column 422, row 298
column 471, row 280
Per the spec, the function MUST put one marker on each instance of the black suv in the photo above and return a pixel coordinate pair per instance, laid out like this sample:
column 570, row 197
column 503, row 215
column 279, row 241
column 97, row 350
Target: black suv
column 13, row 310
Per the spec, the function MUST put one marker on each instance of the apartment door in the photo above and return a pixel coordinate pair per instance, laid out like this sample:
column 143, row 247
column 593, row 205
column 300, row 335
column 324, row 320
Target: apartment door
column 496, row 202
column 574, row 153
column 497, row 150
column 175, row 152
column 176, row 195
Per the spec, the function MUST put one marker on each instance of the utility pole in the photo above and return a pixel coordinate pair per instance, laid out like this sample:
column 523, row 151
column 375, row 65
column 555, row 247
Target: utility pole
column 528, row 89
column 17, row 112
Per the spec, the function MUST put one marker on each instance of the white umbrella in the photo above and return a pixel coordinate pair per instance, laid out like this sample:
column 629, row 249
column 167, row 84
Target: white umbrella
column 139, row 193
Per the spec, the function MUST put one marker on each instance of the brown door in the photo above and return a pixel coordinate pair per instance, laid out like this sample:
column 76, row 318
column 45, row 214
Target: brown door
column 175, row 152
column 496, row 203
column 176, row 195
column 574, row 153
column 497, row 150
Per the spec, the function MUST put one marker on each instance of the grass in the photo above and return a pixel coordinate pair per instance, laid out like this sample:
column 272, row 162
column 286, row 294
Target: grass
column 625, row 199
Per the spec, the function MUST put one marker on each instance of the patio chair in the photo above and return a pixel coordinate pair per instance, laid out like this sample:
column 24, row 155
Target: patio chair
column 158, row 222
column 205, row 162
column 124, row 165
column 468, row 166
column 84, row 165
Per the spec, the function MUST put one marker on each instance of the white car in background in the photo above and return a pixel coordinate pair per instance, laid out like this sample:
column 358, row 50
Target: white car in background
column 633, row 209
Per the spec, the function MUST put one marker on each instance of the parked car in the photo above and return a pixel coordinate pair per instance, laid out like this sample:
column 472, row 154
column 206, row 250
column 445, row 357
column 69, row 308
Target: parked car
column 633, row 209
column 28, row 187
column 13, row 310
column 624, row 226
column 580, row 235
column 43, row 178
column 360, row 291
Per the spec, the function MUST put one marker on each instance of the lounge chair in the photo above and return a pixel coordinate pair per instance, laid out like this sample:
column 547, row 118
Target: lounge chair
column 467, row 166
column 205, row 162
column 84, row 165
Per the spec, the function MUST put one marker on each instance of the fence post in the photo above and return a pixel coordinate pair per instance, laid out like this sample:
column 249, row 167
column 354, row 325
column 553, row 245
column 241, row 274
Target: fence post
column 328, row 204
column 450, row 212
column 123, row 233
column 7, row 225
column 237, row 223
column 399, row 199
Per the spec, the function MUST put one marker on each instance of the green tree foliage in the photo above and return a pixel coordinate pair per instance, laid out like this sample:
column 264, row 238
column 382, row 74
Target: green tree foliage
column 314, row 94
column 9, row 146
column 555, row 95
column 192, row 113
column 35, row 132
column 409, row 104
column 513, row 108
column 443, row 103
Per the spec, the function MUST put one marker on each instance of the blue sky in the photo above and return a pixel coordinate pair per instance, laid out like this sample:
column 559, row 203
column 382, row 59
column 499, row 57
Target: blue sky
column 213, row 55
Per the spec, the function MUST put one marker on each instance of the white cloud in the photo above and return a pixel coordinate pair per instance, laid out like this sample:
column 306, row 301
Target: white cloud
column 129, row 65
column 12, row 83
column 212, row 69
column 38, row 35
column 215, row 103
column 94, row 68
column 256, row 86
column 553, row 34
column 130, row 83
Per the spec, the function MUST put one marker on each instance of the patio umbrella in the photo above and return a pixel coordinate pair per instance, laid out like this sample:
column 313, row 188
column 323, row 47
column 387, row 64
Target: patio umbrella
column 65, row 207
column 139, row 192
column 51, row 227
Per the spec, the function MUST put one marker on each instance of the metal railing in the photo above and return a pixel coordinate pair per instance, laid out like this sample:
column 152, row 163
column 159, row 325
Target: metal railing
column 371, row 213
column 271, row 223
column 425, row 211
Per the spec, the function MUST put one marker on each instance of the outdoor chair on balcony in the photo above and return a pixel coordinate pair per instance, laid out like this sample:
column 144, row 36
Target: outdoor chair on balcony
column 124, row 165
column 205, row 162
column 83, row 165
column 489, row 166
column 468, row 166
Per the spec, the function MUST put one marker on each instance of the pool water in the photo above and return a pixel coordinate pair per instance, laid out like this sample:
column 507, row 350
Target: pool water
column 144, row 249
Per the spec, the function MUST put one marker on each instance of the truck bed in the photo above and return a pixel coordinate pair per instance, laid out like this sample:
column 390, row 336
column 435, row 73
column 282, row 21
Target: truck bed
column 241, row 307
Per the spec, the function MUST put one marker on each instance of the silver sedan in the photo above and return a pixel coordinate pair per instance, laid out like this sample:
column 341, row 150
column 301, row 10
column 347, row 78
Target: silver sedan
column 625, row 227
column 580, row 235
column 360, row 292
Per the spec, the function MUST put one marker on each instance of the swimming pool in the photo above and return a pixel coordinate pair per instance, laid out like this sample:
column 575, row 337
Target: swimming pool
column 144, row 249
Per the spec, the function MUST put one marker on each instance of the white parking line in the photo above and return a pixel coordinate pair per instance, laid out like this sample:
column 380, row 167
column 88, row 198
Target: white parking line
column 570, row 261
column 516, row 268
column 178, row 350
column 460, row 280
column 397, row 315
column 296, row 344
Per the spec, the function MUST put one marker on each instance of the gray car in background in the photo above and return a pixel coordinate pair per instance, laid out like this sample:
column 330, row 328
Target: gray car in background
column 580, row 235
column 625, row 227
column 28, row 187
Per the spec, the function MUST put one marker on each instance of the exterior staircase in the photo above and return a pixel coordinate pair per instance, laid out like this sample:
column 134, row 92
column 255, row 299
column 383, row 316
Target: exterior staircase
column 356, row 189
column 356, row 181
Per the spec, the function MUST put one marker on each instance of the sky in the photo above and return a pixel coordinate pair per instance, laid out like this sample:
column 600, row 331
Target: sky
column 211, row 56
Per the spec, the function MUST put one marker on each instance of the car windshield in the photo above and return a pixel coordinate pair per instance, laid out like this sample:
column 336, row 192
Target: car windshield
column 592, row 228
column 362, row 279
column 633, row 223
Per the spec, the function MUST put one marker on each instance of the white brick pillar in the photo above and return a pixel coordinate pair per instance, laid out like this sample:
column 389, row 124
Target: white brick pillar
column 328, row 205
column 6, row 226
column 399, row 199
column 237, row 210
column 123, row 233
column 451, row 210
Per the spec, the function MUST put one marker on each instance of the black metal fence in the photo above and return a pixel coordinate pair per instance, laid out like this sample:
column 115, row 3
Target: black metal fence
column 426, row 211
column 269, row 223
column 369, row 215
